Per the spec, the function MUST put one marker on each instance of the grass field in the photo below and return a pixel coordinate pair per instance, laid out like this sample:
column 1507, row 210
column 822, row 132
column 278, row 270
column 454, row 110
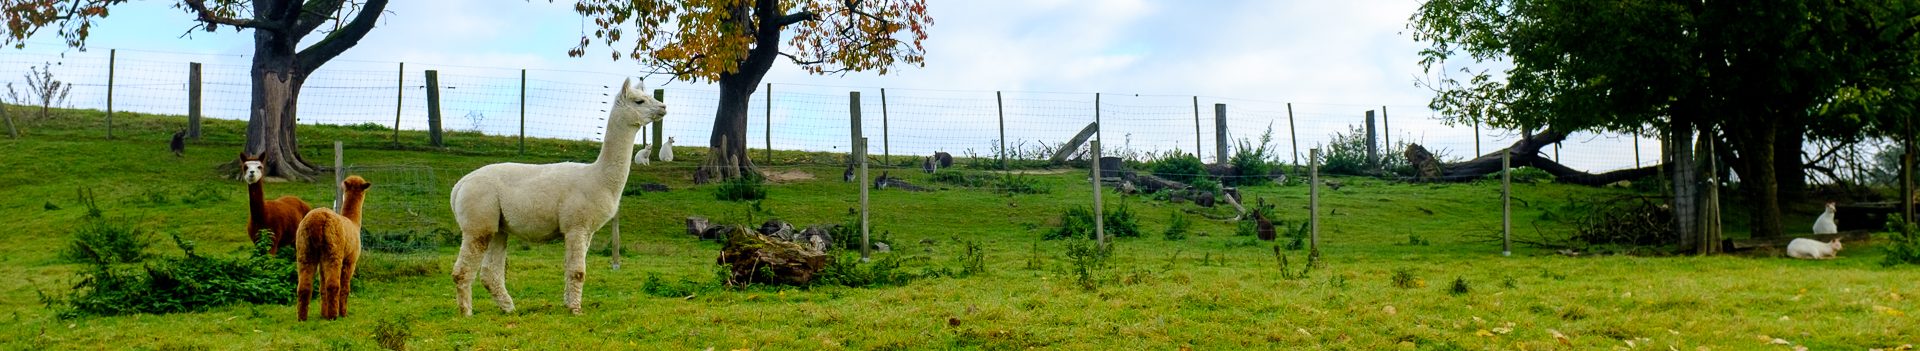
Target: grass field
column 1212, row 291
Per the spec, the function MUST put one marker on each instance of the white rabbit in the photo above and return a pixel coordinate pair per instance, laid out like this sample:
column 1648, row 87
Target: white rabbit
column 1813, row 249
column 1824, row 224
column 640, row 156
column 666, row 152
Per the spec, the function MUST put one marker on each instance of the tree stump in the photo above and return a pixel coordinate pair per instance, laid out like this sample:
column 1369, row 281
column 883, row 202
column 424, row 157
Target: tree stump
column 1424, row 163
column 697, row 226
column 752, row 258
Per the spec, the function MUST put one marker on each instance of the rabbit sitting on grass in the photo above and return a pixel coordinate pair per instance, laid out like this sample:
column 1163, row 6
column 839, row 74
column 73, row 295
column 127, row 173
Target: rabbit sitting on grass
column 1804, row 248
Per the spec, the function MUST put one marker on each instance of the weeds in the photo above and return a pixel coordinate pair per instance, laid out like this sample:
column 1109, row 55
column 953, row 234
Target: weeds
column 392, row 334
column 104, row 242
column 403, row 241
column 973, row 260
column 1088, row 259
column 1403, row 278
column 1903, row 244
column 179, row 284
column 747, row 187
column 1179, row 167
column 1459, row 287
column 1286, row 269
column 1177, row 227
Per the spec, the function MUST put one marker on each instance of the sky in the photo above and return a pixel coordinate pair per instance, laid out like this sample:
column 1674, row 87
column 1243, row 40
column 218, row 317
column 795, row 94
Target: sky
column 1150, row 60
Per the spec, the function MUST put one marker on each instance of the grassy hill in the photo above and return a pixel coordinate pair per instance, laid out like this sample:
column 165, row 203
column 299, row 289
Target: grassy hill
column 1214, row 290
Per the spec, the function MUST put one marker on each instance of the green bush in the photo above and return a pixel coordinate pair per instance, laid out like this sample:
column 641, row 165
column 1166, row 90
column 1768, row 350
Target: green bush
column 1088, row 259
column 1177, row 227
column 973, row 260
column 180, row 284
column 1347, row 155
column 1250, row 164
column 1179, row 167
column 1122, row 223
column 749, row 187
column 1077, row 222
column 104, row 241
column 1020, row 184
column 848, row 271
column 1903, row 246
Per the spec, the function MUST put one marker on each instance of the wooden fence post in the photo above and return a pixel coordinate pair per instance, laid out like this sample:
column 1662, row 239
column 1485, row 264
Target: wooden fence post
column 193, row 100
column 769, row 128
column 339, row 176
column 113, row 56
column 433, row 108
column 523, row 141
column 1313, row 201
column 886, row 139
column 866, row 225
column 399, row 97
column 853, row 110
column 1476, row 136
column 1293, row 134
column 660, row 128
column 1001, row 106
column 1373, row 144
column 1386, row 131
column 1506, row 203
column 1220, row 133
column 1099, row 210
column 1196, row 127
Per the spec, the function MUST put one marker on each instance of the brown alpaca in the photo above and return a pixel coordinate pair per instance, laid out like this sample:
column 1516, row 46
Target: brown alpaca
column 280, row 216
column 330, row 243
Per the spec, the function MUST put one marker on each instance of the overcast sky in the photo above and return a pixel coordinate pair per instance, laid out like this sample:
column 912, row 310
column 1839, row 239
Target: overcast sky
column 1332, row 59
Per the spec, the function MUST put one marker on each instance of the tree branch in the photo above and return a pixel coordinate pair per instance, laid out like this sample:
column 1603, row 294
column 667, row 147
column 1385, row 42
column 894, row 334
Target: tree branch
column 796, row 17
column 199, row 8
column 313, row 14
column 797, row 61
column 339, row 41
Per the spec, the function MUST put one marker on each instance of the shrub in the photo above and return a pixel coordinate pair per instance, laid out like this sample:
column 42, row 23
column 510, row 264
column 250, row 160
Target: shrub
column 1179, row 167
column 1177, row 227
column 1903, row 246
column 1403, row 278
column 1121, row 222
column 180, row 284
column 1077, row 222
column 1088, row 259
column 401, row 241
column 108, row 241
column 973, row 260
column 747, row 187
column 1459, row 286
column 1346, row 154
column 848, row 271
column 1250, row 164
column 1020, row 184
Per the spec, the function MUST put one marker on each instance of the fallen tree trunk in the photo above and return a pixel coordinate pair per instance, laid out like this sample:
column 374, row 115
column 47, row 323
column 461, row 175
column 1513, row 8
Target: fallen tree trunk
column 1073, row 146
column 1526, row 153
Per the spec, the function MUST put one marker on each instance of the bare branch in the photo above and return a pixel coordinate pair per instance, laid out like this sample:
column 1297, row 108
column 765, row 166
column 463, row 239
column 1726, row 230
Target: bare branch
column 338, row 41
column 798, row 61
column 315, row 13
column 199, row 8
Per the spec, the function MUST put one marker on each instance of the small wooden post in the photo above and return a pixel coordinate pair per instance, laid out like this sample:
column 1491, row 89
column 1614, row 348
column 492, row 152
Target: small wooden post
column 1313, row 201
column 1386, row 130
column 433, row 108
column 399, row 97
column 12, row 133
column 1098, row 133
column 1506, row 203
column 1196, row 128
column 769, row 128
column 866, row 227
column 1220, row 133
column 193, row 100
column 1556, row 152
column 1373, row 144
column 886, row 140
column 1636, row 150
column 1099, row 211
column 659, row 129
column 1476, row 136
column 339, row 175
column 853, row 109
column 523, row 143
column 1293, row 134
column 112, row 56
column 1710, row 231
column 1001, row 106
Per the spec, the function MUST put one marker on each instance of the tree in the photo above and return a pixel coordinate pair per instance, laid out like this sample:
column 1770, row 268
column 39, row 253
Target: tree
column 1751, row 74
column 735, row 42
column 279, row 67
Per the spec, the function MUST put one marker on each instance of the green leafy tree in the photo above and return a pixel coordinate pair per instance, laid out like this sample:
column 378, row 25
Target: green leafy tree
column 735, row 42
column 279, row 66
column 1750, row 74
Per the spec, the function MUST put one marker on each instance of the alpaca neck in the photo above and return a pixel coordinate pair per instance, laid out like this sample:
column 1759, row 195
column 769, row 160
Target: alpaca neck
column 256, row 202
column 351, row 208
column 616, row 153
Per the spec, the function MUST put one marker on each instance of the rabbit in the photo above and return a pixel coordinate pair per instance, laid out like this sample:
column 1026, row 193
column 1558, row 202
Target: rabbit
column 1804, row 248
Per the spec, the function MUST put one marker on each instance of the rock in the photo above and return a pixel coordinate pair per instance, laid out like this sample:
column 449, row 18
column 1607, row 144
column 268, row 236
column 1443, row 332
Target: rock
column 778, row 229
column 1202, row 198
column 697, row 226
column 716, row 232
column 820, row 236
column 882, row 248
column 761, row 259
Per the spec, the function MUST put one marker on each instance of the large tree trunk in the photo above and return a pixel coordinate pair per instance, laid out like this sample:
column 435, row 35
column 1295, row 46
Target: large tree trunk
column 272, row 114
column 1684, row 177
column 727, row 156
column 1789, row 164
column 1758, row 178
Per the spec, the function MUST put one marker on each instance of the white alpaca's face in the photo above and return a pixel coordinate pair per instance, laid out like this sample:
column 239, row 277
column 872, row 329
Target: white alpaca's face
column 254, row 171
column 634, row 107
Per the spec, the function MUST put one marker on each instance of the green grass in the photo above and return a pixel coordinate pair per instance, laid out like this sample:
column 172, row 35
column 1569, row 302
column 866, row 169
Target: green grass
column 1211, row 291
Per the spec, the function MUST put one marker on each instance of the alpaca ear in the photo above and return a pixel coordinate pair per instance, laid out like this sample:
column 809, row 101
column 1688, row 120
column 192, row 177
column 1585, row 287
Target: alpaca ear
column 626, row 85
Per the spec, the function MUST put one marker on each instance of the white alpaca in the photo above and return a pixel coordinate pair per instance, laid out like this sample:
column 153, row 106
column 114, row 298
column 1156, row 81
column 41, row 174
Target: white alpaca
column 1813, row 249
column 541, row 201
column 1824, row 224
column 666, row 151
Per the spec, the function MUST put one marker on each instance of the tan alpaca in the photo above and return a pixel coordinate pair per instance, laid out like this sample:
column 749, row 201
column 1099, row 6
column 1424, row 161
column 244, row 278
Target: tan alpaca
column 330, row 243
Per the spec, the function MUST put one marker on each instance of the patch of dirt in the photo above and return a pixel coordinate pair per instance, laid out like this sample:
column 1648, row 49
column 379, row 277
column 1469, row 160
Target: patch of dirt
column 788, row 176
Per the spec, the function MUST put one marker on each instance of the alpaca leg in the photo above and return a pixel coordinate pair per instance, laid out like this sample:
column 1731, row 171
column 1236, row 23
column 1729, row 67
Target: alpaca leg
column 304, row 289
column 463, row 267
column 330, row 289
column 577, row 245
column 493, row 272
column 346, row 279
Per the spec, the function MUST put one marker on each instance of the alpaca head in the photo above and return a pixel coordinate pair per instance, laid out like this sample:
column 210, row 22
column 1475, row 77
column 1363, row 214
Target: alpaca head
column 251, row 169
column 634, row 107
column 356, row 184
